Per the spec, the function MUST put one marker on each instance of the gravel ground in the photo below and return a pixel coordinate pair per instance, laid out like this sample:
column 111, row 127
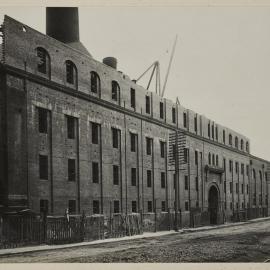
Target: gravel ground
column 243, row 243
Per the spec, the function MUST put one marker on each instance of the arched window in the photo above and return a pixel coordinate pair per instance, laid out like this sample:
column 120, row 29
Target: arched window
column 213, row 159
column 95, row 82
column 216, row 160
column 254, row 174
column 260, row 173
column 224, row 136
column 209, row 159
column 236, row 142
column 247, row 146
column 230, row 139
column 242, row 144
column 44, row 62
column 71, row 73
column 115, row 91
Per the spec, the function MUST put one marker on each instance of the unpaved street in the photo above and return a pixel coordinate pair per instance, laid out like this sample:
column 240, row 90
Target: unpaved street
column 242, row 243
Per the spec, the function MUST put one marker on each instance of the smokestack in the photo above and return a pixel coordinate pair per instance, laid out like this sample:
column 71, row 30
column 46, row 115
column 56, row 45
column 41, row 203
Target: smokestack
column 62, row 23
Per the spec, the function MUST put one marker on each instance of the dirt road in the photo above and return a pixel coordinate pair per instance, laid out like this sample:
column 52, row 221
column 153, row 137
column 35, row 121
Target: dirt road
column 242, row 243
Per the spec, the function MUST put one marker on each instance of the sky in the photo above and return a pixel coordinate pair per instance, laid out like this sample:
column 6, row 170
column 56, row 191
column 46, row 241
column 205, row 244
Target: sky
column 221, row 66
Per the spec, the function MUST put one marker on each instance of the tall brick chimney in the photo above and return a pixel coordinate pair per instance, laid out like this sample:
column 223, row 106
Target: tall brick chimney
column 62, row 23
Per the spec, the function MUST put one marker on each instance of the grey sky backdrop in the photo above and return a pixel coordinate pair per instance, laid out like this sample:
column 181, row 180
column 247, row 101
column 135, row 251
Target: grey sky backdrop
column 221, row 66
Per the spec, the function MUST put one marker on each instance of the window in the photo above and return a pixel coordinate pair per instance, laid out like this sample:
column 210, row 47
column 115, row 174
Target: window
column 115, row 136
column 43, row 65
column 195, row 124
column 185, row 155
column 230, row 187
column 243, row 205
column 95, row 172
column 224, row 136
column 115, row 175
column 236, row 142
column 71, row 127
column 43, row 167
column 186, row 182
column 162, row 179
column 265, row 176
column 224, row 163
column 237, row 188
column 242, row 168
column 133, row 177
column 196, row 157
column 247, row 189
column 71, row 170
column 71, row 73
column 116, row 207
column 231, row 205
column 217, row 161
column 163, row 206
column 254, row 174
column 133, row 139
column 260, row 173
column 242, row 188
column 95, row 207
column 72, row 206
column 209, row 131
column 236, row 167
column 95, row 82
column 132, row 98
column 209, row 158
column 174, row 181
column 149, row 178
column 231, row 166
column 149, row 206
column 254, row 199
column 42, row 120
column 147, row 104
column 95, row 132
column 196, row 183
column 115, row 91
column 247, row 170
column 134, row 207
column 148, row 146
column 161, row 110
column 224, row 186
column 216, row 133
column 44, row 206
column 213, row 132
column 185, row 119
column 242, row 144
column 230, row 139
column 162, row 149
column 247, row 146
column 173, row 115
column 186, row 206
column 213, row 159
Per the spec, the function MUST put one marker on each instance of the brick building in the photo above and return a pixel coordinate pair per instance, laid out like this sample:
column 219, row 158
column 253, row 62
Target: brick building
column 78, row 134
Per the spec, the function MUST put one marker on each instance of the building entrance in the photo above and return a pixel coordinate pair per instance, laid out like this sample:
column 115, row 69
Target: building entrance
column 213, row 204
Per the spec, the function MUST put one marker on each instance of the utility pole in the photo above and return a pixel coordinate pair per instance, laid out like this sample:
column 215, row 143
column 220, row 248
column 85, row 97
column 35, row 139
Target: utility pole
column 176, row 179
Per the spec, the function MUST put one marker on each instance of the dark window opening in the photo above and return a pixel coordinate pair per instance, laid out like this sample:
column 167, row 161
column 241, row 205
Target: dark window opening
column 43, row 167
column 196, row 183
column 132, row 98
column 162, row 149
column 115, row 137
column 230, row 187
column 186, row 182
column 72, row 206
column 236, row 167
column 95, row 82
column 217, row 161
column 242, row 144
column 195, row 124
column 162, row 178
column 149, row 178
column 186, row 206
column 95, row 132
column 148, row 146
column 242, row 168
column 247, row 170
column 149, row 206
column 42, row 120
column 236, row 142
column 174, row 181
column 115, row 175
column 115, row 91
column 213, row 132
column 133, row 139
column 242, row 188
column 173, row 115
column 185, row 119
column 216, row 133
column 43, row 65
column 224, row 136
column 247, row 189
column 161, row 110
column 231, row 166
column 213, row 159
column 71, row 73
column 95, row 172
column 71, row 170
column 116, row 207
column 209, row 131
column 196, row 157
column 209, row 158
column 134, row 207
column 230, row 139
column 133, row 177
column 185, row 155
column 44, row 206
column 247, row 147
column 96, row 207
column 163, row 206
column 147, row 104
column 70, row 127
column 225, row 187
column 237, row 188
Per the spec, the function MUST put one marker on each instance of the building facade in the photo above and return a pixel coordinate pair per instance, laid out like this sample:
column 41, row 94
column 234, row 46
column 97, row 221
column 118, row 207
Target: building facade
column 79, row 134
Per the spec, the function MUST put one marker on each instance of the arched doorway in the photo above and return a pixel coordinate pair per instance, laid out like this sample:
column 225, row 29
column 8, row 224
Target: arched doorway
column 213, row 204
